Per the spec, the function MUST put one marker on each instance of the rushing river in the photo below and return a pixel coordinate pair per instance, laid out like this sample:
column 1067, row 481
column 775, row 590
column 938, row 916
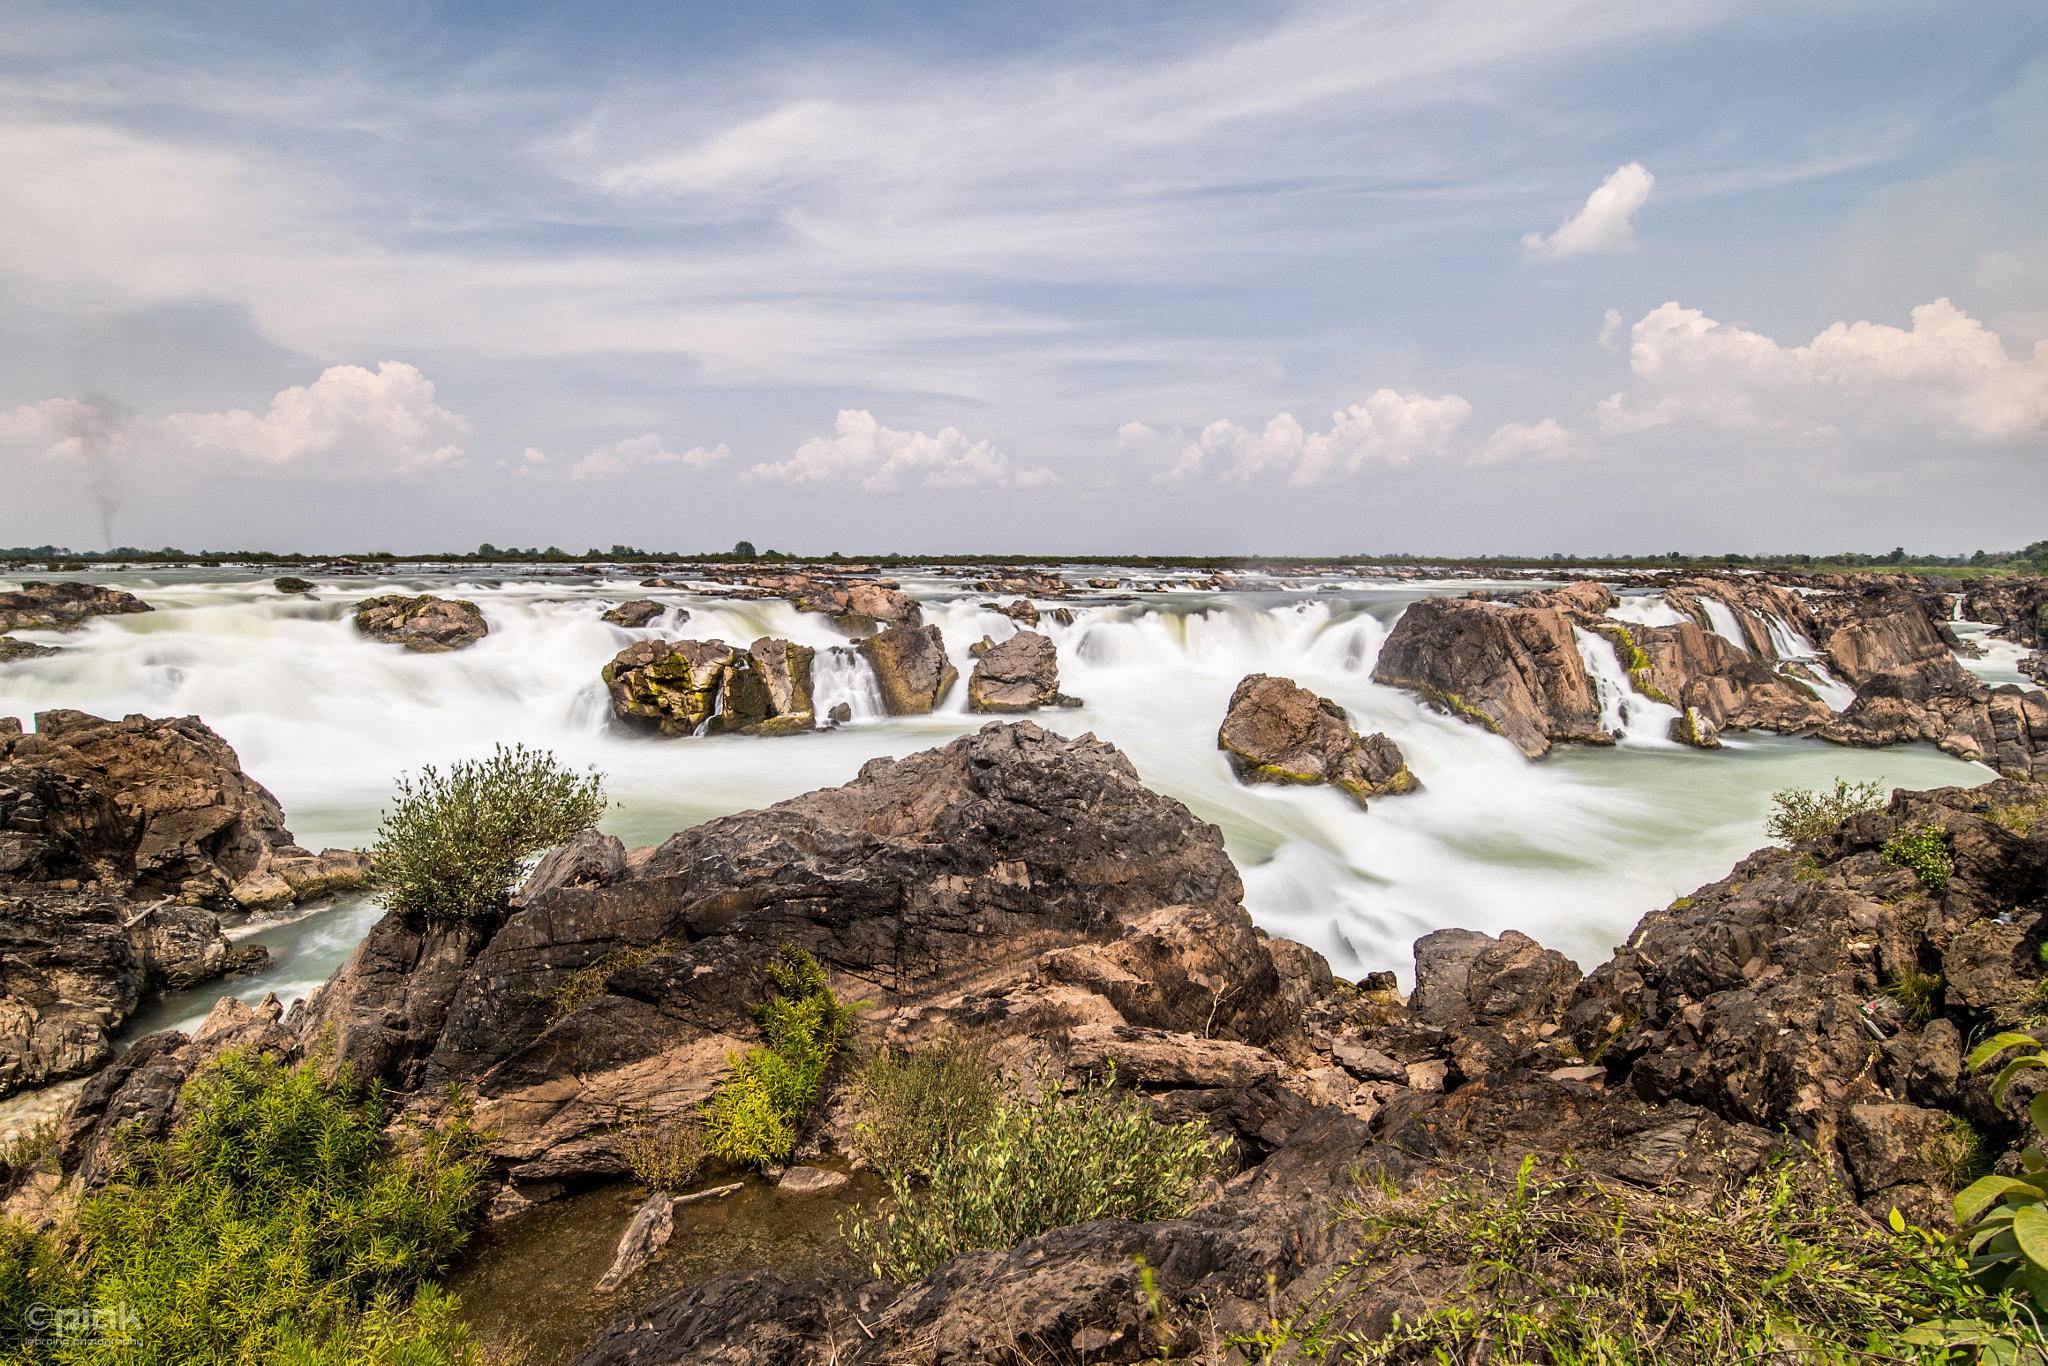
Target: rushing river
column 1571, row 850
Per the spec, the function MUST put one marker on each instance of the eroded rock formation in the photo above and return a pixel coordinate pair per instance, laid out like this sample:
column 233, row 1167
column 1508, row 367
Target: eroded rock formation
column 690, row 687
column 63, row 606
column 1276, row 731
column 638, row 612
column 911, row 668
column 1018, row 674
column 1515, row 670
column 426, row 625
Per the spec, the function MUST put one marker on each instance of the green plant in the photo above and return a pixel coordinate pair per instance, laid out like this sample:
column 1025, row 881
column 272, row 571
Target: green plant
column 1962, row 1154
column 1805, row 814
column 1806, row 868
column 26, row 1148
column 916, row 1104
column 586, row 983
column 1923, row 850
column 1037, row 1164
column 663, row 1155
column 453, row 843
column 1918, row 994
column 284, row 1219
column 753, row 1115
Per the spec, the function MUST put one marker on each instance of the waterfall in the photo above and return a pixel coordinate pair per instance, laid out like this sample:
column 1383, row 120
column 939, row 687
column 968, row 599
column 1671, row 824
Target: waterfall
column 1634, row 718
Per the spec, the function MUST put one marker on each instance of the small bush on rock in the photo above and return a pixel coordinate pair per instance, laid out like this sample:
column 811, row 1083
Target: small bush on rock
column 916, row 1105
column 1804, row 814
column 753, row 1115
column 1923, row 850
column 1037, row 1165
column 453, row 844
column 663, row 1155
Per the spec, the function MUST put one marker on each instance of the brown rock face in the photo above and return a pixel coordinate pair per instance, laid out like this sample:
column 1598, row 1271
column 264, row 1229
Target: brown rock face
column 1885, row 632
column 638, row 612
column 685, row 687
column 1696, row 669
column 1514, row 670
column 2016, row 607
column 141, row 807
column 911, row 668
column 1020, row 674
column 63, row 606
column 854, row 604
column 1279, row 732
column 427, row 625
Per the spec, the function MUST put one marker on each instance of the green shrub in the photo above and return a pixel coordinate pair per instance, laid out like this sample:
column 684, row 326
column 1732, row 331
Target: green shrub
column 1923, row 850
column 752, row 1117
column 26, row 1148
column 1804, row 814
column 453, row 844
column 587, row 982
column 277, row 1223
column 1918, row 993
column 663, row 1155
column 916, row 1105
column 1036, row 1165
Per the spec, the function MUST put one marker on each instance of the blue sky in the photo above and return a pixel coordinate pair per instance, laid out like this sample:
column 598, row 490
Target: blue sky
column 1590, row 277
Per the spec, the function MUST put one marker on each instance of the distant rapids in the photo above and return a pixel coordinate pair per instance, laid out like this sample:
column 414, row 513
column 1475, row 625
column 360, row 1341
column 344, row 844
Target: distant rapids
column 1571, row 850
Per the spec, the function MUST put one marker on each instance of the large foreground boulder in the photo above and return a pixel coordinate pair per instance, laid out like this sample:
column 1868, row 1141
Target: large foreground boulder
column 1515, row 670
column 911, row 668
column 692, row 687
column 424, row 624
column 1018, row 674
column 63, row 606
column 1279, row 732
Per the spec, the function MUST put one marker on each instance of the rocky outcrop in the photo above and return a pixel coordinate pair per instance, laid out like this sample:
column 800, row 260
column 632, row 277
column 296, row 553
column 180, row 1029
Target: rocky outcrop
column 74, row 967
column 424, row 624
column 1887, row 631
column 2016, row 608
column 1018, row 674
column 853, row 604
column 1515, row 670
column 639, row 612
column 12, row 650
column 1702, row 673
column 693, row 687
column 2005, row 727
column 911, row 668
column 1030, row 583
column 290, row 584
column 1279, row 732
column 63, row 606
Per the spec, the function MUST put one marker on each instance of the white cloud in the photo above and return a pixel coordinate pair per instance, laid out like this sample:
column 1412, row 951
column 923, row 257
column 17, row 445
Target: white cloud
column 630, row 456
column 1610, row 328
column 1389, row 430
column 878, row 459
column 1603, row 225
column 1949, row 377
column 349, row 421
column 1527, row 443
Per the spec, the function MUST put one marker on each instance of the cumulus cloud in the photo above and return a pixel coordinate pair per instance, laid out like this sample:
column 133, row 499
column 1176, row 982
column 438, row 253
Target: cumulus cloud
column 1610, row 329
column 1388, row 430
column 633, row 455
column 1603, row 225
column 1527, row 443
column 1948, row 377
column 876, row 459
column 349, row 421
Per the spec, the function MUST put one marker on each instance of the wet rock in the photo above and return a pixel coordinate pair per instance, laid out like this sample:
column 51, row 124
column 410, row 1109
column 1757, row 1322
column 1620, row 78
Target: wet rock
column 12, row 650
column 911, row 668
column 1516, row 671
column 63, row 606
column 853, row 604
column 669, row 686
column 289, row 584
column 639, row 612
column 423, row 624
column 1278, row 732
column 1938, row 703
column 810, row 1181
column 785, row 673
column 1716, row 684
column 146, row 808
column 1019, row 674
column 2016, row 608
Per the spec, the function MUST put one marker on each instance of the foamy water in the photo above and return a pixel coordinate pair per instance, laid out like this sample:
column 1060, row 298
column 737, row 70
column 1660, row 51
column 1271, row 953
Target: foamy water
column 1571, row 850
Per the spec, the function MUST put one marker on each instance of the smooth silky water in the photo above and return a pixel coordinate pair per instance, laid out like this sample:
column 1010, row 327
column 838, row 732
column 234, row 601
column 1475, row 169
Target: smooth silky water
column 1572, row 850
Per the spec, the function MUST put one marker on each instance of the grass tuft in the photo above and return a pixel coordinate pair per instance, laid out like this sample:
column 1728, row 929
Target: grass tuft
column 917, row 1104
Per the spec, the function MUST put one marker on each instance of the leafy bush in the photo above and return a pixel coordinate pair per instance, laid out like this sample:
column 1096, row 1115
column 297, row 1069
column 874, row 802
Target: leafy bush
column 753, row 1115
column 453, row 844
column 26, row 1148
column 916, row 1105
column 1923, row 850
column 277, row 1223
column 663, row 1155
column 1804, row 814
column 1036, row 1165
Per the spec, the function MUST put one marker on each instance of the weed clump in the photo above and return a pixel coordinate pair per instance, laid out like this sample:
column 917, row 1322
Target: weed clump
column 453, row 843
column 1918, row 994
column 752, row 1117
column 276, row 1223
column 916, row 1105
column 1923, row 850
column 664, row 1155
column 1805, row 814
column 1035, row 1165
column 586, row 983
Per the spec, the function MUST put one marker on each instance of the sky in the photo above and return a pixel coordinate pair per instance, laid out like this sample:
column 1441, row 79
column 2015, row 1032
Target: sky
column 1530, row 277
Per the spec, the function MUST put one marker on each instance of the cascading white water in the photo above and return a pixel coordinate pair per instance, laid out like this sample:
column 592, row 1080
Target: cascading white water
column 1646, row 609
column 1638, row 720
column 1722, row 618
column 1571, row 850
column 841, row 676
column 1796, row 647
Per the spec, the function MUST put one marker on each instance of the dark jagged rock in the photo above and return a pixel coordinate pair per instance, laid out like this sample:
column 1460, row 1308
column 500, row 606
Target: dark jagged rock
column 1516, row 671
column 688, row 687
column 853, row 604
column 1703, row 673
column 2015, row 608
column 639, row 612
column 1018, row 674
column 1276, row 731
column 12, row 650
column 911, row 668
column 288, row 584
column 424, row 624
column 63, row 606
column 2005, row 727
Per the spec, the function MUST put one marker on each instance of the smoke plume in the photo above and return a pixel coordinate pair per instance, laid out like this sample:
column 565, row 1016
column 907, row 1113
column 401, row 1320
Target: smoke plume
column 101, row 427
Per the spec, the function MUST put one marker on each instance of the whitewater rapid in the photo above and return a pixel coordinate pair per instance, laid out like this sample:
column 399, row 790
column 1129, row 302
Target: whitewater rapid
column 1572, row 850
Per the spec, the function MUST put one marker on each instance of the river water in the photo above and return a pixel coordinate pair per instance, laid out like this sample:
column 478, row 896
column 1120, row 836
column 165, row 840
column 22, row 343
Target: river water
column 1571, row 850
